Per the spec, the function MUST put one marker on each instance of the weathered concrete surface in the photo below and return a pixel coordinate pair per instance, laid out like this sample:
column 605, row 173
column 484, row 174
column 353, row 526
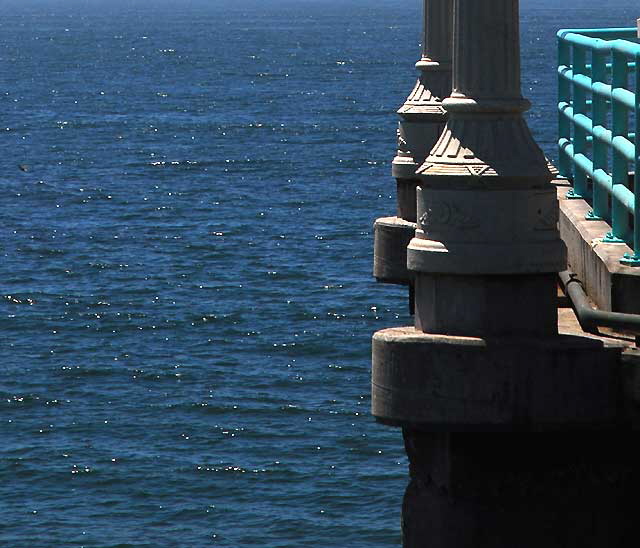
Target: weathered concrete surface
column 415, row 140
column 548, row 490
column 566, row 489
column 627, row 370
column 406, row 198
column 467, row 228
column 610, row 284
column 391, row 237
column 486, row 135
column 453, row 384
column 629, row 361
column 486, row 305
column 484, row 259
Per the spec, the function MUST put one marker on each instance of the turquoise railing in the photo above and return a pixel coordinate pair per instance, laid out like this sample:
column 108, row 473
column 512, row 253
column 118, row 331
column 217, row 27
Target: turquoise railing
column 598, row 103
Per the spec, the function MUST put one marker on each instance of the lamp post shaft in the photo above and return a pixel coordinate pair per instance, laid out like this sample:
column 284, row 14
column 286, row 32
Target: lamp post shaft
column 487, row 50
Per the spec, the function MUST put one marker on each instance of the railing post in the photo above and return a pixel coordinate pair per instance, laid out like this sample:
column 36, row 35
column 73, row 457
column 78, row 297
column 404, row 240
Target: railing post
column 634, row 258
column 565, row 165
column 599, row 114
column 580, row 189
column 619, row 171
column 636, row 179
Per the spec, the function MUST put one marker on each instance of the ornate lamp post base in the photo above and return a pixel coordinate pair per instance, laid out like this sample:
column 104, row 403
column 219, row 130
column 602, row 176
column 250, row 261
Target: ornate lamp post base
column 422, row 115
column 422, row 121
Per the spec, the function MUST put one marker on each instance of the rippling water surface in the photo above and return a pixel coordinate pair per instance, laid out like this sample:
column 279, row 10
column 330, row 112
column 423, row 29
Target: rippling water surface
column 186, row 304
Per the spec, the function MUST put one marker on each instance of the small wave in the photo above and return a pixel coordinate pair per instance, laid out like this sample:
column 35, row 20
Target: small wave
column 18, row 299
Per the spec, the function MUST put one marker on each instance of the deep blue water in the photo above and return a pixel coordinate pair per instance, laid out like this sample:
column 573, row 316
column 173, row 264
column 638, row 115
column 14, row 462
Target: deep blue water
column 186, row 301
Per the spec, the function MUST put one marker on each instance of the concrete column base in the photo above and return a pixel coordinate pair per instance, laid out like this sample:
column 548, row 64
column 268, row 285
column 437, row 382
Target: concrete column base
column 406, row 193
column 391, row 237
column 465, row 228
column 551, row 490
column 486, row 305
column 447, row 383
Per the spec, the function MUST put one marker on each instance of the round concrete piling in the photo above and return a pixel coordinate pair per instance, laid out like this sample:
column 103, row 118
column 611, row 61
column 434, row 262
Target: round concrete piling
column 449, row 383
column 555, row 490
column 391, row 238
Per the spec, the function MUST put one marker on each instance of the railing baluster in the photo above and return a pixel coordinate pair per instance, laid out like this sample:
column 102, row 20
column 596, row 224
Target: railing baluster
column 580, row 189
column 599, row 109
column 633, row 259
column 619, row 167
column 565, row 166
column 636, row 169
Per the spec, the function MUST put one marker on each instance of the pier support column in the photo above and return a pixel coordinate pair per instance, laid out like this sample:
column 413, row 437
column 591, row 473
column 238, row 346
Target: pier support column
column 520, row 490
column 513, row 432
column 422, row 121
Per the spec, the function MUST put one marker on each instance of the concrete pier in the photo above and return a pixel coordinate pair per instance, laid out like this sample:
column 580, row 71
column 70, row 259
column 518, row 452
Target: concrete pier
column 561, row 490
column 516, row 434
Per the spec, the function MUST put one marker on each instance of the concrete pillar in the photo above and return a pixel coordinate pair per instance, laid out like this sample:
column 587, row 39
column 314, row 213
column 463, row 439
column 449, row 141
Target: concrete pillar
column 561, row 490
column 484, row 367
column 422, row 121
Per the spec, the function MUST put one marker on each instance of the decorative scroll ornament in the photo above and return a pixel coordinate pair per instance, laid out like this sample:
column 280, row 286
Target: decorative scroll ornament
column 441, row 215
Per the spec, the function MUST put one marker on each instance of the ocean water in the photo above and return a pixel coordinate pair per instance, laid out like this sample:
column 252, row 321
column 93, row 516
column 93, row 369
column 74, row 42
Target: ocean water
column 186, row 300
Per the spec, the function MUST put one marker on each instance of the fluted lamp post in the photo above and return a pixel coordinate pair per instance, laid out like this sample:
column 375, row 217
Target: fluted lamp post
column 422, row 115
column 422, row 121
column 483, row 366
